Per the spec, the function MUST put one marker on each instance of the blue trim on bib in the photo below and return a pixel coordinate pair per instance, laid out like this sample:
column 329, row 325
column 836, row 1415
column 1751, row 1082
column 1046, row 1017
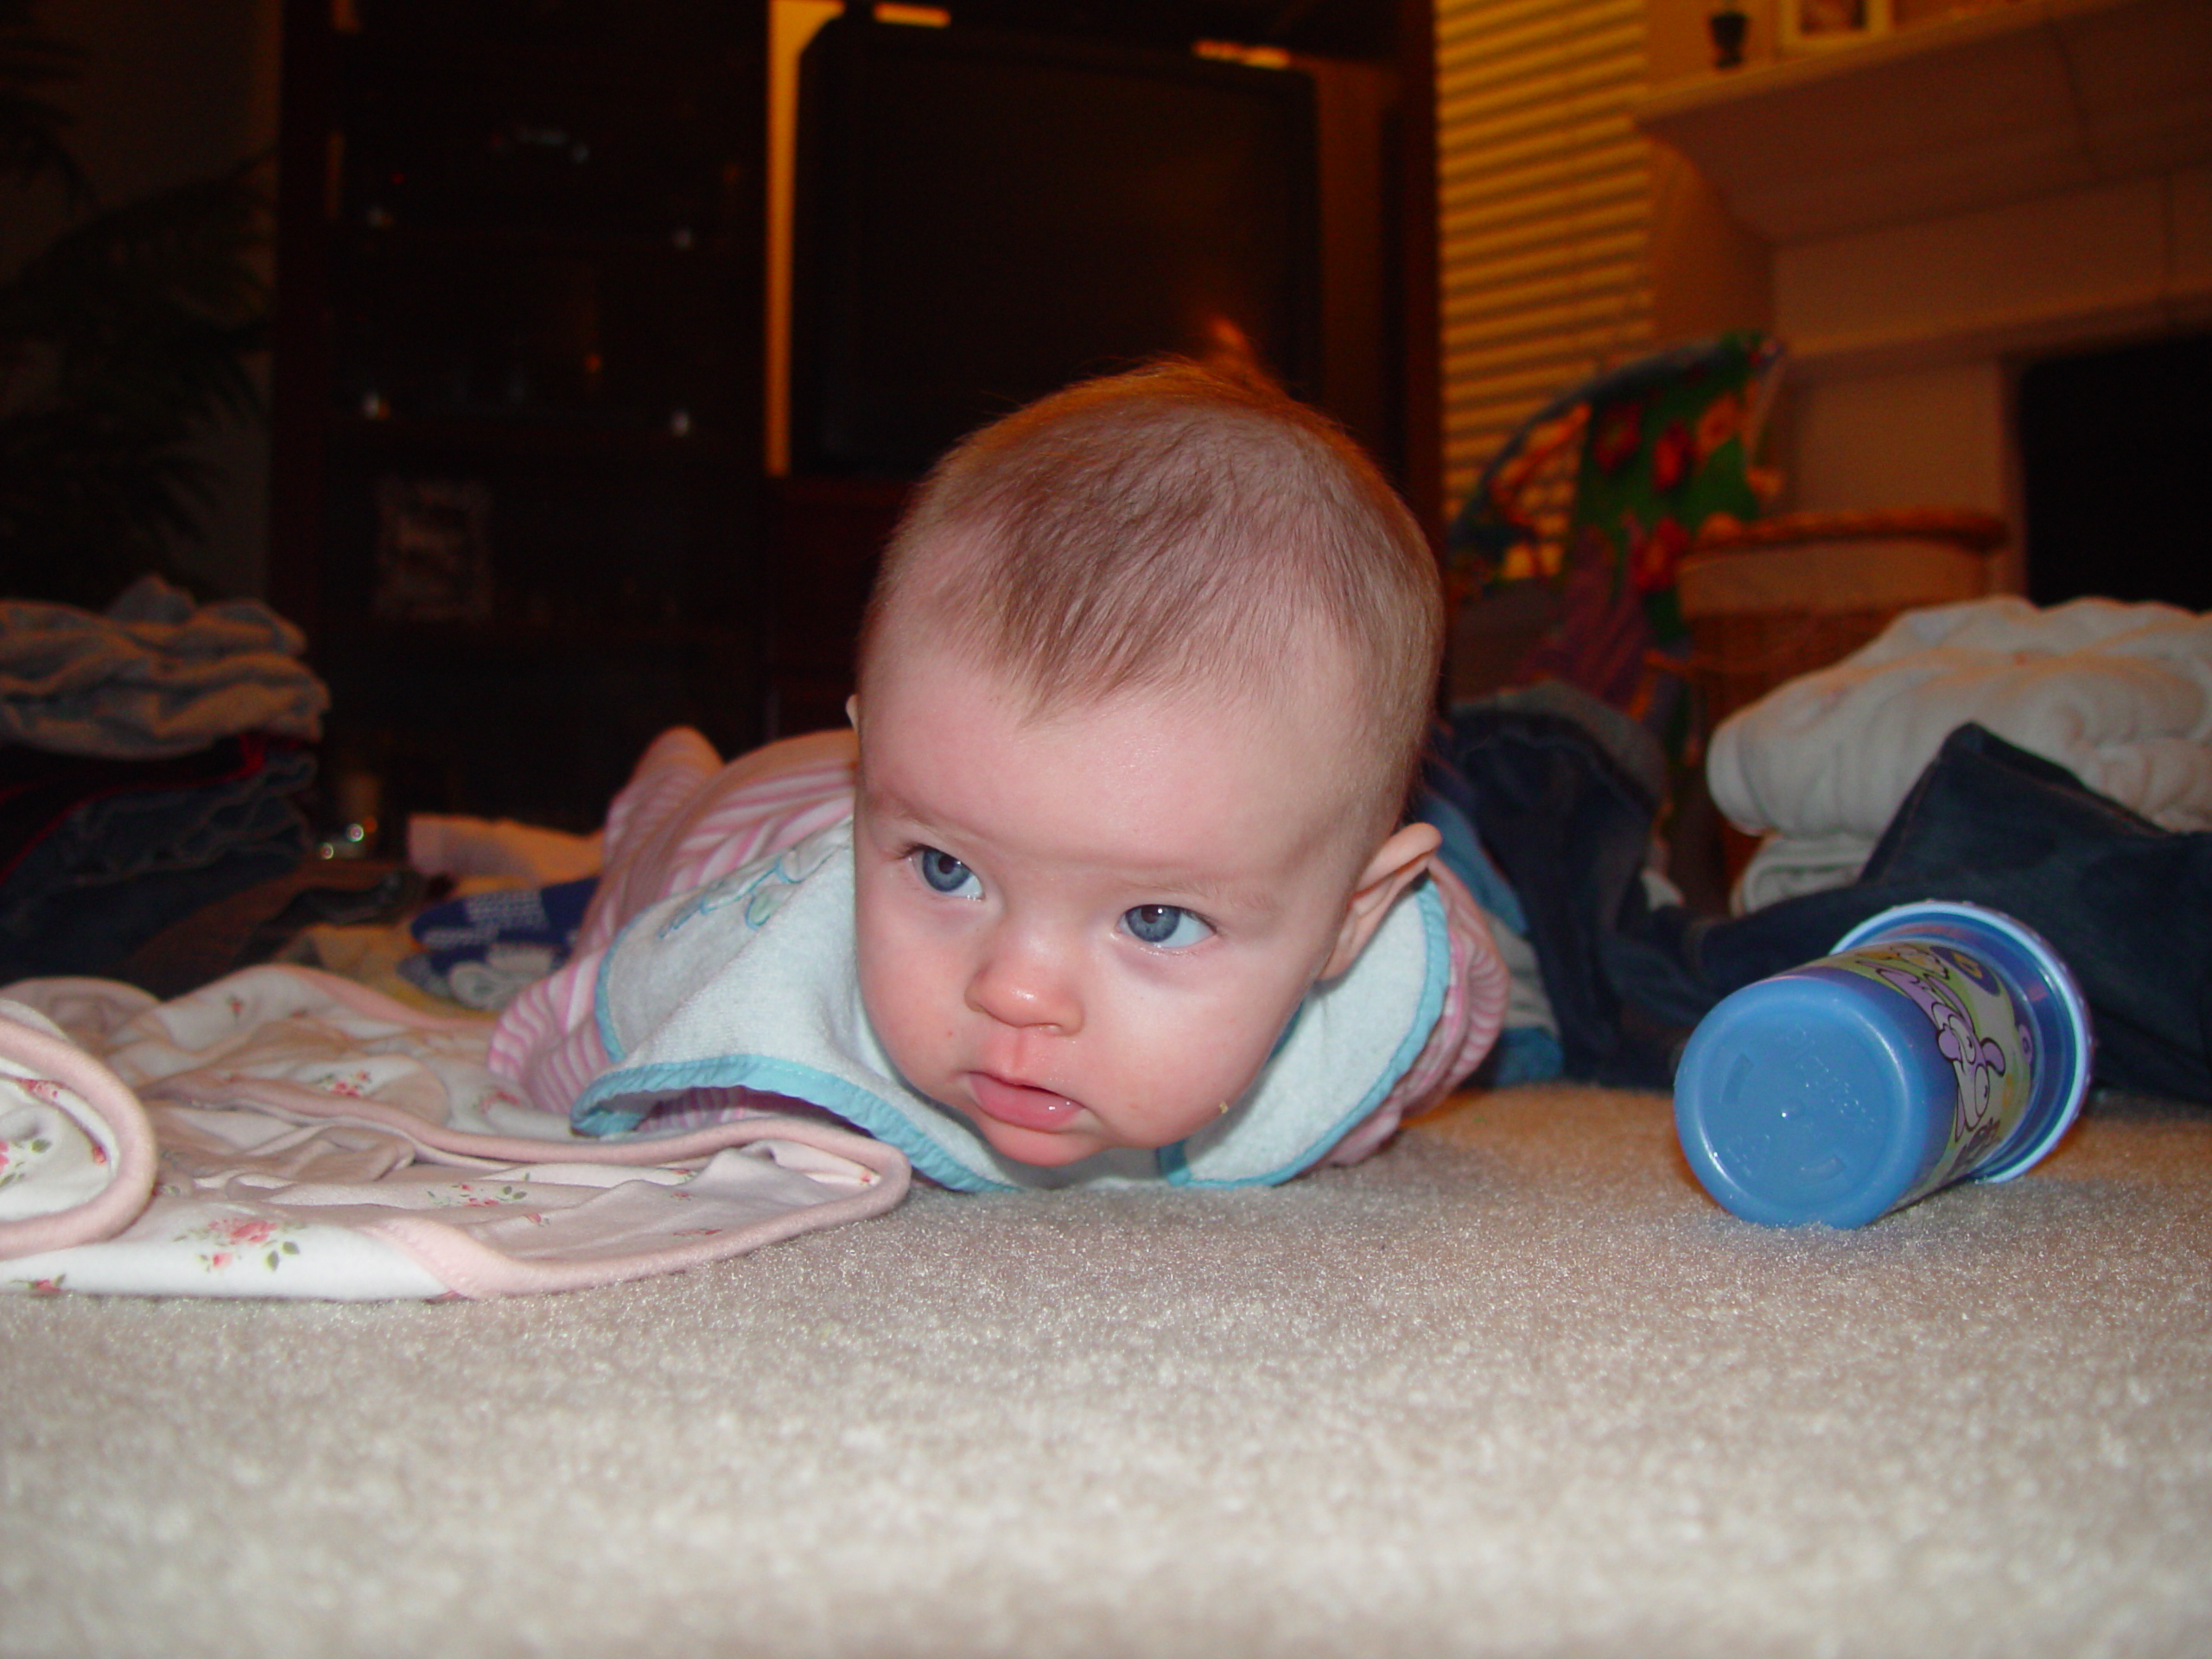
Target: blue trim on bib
column 872, row 1113
column 1436, row 934
column 602, row 1015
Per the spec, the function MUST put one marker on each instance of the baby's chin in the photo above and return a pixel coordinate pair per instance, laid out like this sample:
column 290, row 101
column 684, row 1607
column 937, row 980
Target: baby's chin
column 1054, row 1149
column 1039, row 1148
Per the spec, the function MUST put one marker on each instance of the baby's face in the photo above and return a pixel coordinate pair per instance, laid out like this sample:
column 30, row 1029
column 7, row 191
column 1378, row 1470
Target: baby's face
column 1087, row 929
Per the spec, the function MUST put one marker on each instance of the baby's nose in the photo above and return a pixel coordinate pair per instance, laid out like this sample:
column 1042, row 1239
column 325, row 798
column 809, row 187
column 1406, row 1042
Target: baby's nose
column 1023, row 982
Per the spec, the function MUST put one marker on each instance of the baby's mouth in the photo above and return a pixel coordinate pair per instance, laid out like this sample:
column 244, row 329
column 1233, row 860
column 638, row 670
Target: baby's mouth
column 1020, row 1105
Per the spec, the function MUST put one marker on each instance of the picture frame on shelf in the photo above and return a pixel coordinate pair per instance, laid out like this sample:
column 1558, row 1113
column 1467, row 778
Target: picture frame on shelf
column 1820, row 25
column 434, row 552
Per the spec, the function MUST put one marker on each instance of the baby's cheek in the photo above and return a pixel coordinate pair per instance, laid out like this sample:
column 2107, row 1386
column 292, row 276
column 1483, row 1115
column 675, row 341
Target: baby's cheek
column 1210, row 1070
column 895, row 989
column 913, row 1038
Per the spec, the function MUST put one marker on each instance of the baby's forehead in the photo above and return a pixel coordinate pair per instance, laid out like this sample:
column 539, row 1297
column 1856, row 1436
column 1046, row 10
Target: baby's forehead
column 1240, row 719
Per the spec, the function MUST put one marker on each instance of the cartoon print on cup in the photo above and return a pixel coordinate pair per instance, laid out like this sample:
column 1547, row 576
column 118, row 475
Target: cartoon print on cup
column 1978, row 1062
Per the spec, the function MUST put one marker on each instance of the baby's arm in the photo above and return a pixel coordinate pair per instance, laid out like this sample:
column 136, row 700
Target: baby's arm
column 1474, row 1011
column 684, row 819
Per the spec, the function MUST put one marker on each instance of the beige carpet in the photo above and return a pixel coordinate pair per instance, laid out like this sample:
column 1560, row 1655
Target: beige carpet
column 1513, row 1387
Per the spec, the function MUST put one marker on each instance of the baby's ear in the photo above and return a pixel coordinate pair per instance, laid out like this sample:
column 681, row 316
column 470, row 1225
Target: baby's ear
column 1398, row 862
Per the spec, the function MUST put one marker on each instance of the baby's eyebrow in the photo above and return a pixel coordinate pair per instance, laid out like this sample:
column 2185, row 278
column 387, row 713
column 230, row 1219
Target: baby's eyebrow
column 879, row 802
column 1201, row 890
column 1198, row 890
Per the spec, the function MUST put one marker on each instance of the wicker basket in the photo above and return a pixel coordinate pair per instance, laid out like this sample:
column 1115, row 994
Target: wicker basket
column 1738, row 658
column 1768, row 602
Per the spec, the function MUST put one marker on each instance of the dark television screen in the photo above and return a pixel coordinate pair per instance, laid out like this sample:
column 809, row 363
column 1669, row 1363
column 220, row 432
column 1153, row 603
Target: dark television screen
column 981, row 218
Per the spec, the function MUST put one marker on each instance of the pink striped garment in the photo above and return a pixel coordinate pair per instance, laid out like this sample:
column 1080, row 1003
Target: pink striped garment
column 684, row 819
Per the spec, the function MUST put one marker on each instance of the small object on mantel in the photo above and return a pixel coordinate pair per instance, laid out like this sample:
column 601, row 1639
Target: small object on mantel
column 1727, row 25
column 1954, row 115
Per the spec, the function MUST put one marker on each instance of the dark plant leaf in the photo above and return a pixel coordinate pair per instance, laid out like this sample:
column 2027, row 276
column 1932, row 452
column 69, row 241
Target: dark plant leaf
column 31, row 146
column 120, row 343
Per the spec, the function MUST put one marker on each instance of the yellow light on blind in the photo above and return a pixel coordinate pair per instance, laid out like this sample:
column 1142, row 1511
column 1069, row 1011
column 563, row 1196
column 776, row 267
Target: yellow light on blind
column 920, row 16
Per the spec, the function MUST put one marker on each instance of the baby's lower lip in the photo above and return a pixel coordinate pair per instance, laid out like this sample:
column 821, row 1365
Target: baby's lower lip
column 1020, row 1105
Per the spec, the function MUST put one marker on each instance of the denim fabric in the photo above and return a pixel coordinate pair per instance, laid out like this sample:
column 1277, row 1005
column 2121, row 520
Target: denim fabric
column 1447, row 801
column 2127, row 905
column 1567, row 820
column 1522, row 1052
column 125, row 865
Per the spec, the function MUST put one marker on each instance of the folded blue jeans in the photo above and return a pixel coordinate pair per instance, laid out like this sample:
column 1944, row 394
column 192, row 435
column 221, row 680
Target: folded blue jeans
column 2127, row 905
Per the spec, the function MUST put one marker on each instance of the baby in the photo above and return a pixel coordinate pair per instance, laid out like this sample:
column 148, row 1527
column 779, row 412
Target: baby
column 1113, row 876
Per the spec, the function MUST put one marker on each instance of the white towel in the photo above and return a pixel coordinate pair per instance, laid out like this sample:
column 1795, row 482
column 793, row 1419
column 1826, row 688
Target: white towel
column 2120, row 695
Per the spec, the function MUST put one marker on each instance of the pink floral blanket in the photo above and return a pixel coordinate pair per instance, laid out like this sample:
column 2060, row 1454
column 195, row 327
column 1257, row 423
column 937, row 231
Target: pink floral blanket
column 285, row 1133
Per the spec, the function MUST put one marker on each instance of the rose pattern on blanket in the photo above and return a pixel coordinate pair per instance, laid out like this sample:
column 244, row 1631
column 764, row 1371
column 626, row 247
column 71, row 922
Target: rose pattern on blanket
column 469, row 1196
column 18, row 1156
column 50, row 1139
column 237, row 1238
column 286, row 1134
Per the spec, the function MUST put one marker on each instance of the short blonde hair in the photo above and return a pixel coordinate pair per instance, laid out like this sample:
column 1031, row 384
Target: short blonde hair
column 1169, row 527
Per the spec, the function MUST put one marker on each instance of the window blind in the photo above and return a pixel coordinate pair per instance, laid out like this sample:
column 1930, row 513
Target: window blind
column 1544, row 209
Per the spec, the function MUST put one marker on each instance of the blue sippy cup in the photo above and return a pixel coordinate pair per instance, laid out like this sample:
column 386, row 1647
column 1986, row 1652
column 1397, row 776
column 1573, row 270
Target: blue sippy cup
column 1938, row 1043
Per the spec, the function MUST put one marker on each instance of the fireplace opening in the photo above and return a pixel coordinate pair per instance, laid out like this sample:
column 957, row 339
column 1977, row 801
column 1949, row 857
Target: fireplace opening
column 2114, row 450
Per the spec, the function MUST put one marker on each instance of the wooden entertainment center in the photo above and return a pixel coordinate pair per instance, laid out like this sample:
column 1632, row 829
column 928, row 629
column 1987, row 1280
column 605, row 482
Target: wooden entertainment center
column 523, row 502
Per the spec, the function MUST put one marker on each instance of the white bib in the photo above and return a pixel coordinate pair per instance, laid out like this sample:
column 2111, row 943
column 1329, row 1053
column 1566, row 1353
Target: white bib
column 751, row 981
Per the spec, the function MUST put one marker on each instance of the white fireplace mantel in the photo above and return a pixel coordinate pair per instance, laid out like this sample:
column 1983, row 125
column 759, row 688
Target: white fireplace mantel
column 1967, row 112
column 1950, row 201
column 2000, row 183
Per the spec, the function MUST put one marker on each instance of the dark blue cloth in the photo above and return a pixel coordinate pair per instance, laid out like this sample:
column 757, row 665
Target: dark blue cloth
column 2128, row 906
column 126, row 863
column 1521, row 1053
column 1447, row 803
column 464, row 930
column 1568, row 823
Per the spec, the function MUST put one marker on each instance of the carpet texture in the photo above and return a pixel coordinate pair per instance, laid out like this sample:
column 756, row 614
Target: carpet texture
column 1515, row 1387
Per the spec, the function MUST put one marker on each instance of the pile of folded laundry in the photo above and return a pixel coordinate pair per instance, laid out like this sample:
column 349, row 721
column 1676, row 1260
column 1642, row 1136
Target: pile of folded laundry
column 2120, row 695
column 2054, row 765
column 149, row 761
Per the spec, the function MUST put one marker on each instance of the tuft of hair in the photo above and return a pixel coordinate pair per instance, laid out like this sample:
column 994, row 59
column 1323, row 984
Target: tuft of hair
column 1173, row 527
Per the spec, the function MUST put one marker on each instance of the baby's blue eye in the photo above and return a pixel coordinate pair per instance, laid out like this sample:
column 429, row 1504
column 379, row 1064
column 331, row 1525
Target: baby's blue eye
column 1170, row 925
column 943, row 872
